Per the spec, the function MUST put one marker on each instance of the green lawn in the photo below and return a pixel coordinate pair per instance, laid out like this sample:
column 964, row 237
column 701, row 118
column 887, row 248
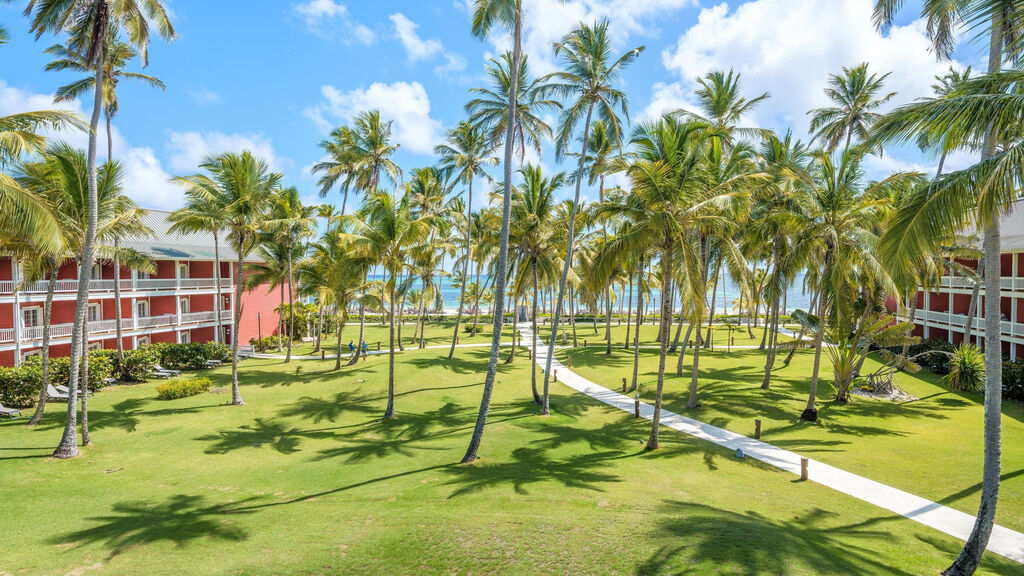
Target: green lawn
column 437, row 333
column 648, row 333
column 305, row 479
column 931, row 447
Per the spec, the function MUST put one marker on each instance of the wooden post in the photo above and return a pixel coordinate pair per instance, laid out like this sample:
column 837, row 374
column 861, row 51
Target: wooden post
column 378, row 345
column 636, row 406
column 803, row 468
column 584, row 343
column 757, row 429
column 323, row 354
column 570, row 361
column 556, row 374
column 623, row 384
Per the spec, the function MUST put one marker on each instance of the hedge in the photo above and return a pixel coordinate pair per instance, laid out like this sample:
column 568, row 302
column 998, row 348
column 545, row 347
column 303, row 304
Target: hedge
column 182, row 388
column 192, row 356
column 267, row 342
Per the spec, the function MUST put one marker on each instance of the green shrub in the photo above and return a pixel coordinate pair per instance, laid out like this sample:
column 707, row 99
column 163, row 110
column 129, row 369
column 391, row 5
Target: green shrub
column 138, row 364
column 102, row 364
column 182, row 387
column 19, row 386
column 966, row 369
column 1013, row 380
column 267, row 342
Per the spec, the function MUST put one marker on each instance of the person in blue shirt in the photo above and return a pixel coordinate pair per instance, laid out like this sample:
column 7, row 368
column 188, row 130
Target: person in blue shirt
column 364, row 348
column 351, row 346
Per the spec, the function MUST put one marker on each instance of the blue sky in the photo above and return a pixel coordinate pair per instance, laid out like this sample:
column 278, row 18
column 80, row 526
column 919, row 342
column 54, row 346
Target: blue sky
column 274, row 75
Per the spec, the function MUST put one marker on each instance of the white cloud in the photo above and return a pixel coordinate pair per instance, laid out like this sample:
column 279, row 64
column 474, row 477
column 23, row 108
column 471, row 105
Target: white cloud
column 406, row 103
column 788, row 48
column 417, row 49
column 331, row 19
column 189, row 148
column 145, row 180
column 203, row 96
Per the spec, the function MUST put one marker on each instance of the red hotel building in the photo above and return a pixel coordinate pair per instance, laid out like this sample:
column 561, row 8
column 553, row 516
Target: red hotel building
column 173, row 304
column 942, row 312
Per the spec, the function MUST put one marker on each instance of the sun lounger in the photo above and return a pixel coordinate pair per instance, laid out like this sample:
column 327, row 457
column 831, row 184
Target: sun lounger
column 158, row 374
column 54, row 394
column 64, row 390
column 110, row 381
column 9, row 412
column 213, row 363
column 160, row 368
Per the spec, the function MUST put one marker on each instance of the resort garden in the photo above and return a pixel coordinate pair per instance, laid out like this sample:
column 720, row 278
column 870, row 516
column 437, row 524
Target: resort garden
column 589, row 402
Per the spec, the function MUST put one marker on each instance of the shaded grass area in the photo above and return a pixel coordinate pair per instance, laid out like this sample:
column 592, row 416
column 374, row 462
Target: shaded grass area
column 721, row 334
column 932, row 447
column 306, row 478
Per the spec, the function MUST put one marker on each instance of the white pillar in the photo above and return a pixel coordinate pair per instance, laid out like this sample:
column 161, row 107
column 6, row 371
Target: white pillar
column 18, row 318
column 927, row 309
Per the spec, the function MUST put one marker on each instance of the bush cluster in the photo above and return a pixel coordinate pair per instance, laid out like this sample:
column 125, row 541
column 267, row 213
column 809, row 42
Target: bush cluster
column 1013, row 380
column 192, row 356
column 267, row 342
column 19, row 386
column 937, row 363
column 182, row 387
column 138, row 364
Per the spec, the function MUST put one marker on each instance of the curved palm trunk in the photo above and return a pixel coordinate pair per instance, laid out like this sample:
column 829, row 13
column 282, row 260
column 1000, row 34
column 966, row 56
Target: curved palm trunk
column 663, row 330
column 608, row 284
column 682, row 351
column 337, row 346
column 51, row 286
column 219, row 330
column 557, row 312
column 533, row 343
column 319, row 328
column 117, row 300
column 629, row 314
column 280, row 320
column 769, row 361
column 969, row 558
column 572, row 315
column 236, row 393
column 291, row 307
column 86, row 441
column 476, row 300
column 972, row 308
column 810, row 413
column 68, row 447
column 499, row 286
column 389, row 412
column 465, row 268
column 692, row 401
column 636, row 335
column 711, row 315
column 912, row 314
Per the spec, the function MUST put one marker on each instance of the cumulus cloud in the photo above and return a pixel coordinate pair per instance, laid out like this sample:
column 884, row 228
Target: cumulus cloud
column 187, row 149
column 331, row 19
column 788, row 48
column 418, row 49
column 203, row 96
column 406, row 103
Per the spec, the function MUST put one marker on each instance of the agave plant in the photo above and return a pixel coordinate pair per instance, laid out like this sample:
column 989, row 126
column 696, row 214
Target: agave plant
column 966, row 369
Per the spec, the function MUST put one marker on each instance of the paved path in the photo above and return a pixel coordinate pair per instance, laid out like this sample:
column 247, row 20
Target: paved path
column 1004, row 541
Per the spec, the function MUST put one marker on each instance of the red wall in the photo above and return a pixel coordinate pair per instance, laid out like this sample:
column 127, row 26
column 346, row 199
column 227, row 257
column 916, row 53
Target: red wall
column 7, row 315
column 160, row 305
column 5, row 269
column 203, row 335
column 259, row 300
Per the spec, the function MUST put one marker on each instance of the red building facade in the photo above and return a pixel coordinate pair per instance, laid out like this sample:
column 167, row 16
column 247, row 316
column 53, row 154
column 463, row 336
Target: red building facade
column 177, row 302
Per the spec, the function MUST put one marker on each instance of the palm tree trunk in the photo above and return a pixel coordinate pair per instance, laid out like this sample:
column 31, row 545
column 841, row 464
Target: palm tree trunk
column 68, row 447
column 86, row 441
column 711, row 315
column 629, row 314
column 970, row 556
column 663, row 331
column 572, row 315
column 337, row 345
column 362, row 328
column 556, row 317
column 219, row 331
column 499, row 289
column 810, row 413
column 476, row 299
column 692, row 401
column 533, row 344
column 319, row 328
column 117, row 304
column 682, row 351
column 51, row 286
column 912, row 315
column 389, row 412
column 636, row 334
column 769, row 361
column 280, row 320
column 236, row 393
column 291, row 306
column 465, row 267
column 972, row 308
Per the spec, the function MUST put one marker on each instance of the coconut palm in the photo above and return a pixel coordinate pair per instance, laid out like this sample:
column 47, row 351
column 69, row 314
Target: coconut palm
column 486, row 15
column 588, row 77
column 203, row 213
column 722, row 107
column 385, row 232
column 359, row 157
column 116, row 56
column 1001, row 22
column 271, row 270
column 242, row 187
column 467, row 153
column 291, row 223
column 91, row 24
column 856, row 96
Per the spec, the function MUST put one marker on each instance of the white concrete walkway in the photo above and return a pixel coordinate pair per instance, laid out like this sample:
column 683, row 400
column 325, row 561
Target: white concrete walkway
column 1004, row 541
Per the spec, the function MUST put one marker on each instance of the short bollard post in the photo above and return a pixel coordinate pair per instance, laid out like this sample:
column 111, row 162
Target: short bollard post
column 323, row 354
column 529, row 354
column 556, row 374
column 636, row 406
column 584, row 343
column 623, row 384
column 570, row 361
column 803, row 468
column 378, row 345
column 757, row 429
column 457, row 339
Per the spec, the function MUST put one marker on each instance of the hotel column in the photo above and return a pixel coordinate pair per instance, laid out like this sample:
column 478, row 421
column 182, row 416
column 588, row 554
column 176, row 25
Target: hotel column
column 18, row 318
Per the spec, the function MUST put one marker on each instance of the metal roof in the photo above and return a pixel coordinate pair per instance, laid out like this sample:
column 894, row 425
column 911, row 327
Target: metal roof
column 194, row 246
column 1011, row 229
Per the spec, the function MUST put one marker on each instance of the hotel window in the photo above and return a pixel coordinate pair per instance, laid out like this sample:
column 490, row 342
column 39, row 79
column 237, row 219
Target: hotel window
column 186, row 337
column 32, row 317
column 32, row 353
column 182, row 269
column 227, row 303
column 96, row 273
column 142, row 308
column 184, row 305
column 95, row 346
column 143, row 340
column 140, row 275
column 95, row 312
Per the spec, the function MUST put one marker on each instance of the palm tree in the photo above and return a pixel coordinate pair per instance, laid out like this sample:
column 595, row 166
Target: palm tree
column 358, row 157
column 91, row 24
column 270, row 270
column 999, row 21
column 291, row 223
column 856, row 100
column 242, row 187
column 722, row 106
column 116, row 56
column 385, row 233
column 203, row 213
column 588, row 78
column 466, row 154
column 487, row 14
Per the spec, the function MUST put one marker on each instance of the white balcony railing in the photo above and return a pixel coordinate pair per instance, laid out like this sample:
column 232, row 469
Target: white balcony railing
column 152, row 321
column 127, row 285
column 7, row 335
column 195, row 317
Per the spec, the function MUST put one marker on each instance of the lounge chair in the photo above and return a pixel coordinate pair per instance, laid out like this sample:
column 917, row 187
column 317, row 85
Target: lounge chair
column 110, row 381
column 64, row 390
column 158, row 374
column 9, row 412
column 213, row 363
column 160, row 368
column 54, row 394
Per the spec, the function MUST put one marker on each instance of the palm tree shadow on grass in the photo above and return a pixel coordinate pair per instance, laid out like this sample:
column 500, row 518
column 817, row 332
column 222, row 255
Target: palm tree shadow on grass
column 749, row 543
column 320, row 409
column 531, row 466
column 181, row 519
column 280, row 437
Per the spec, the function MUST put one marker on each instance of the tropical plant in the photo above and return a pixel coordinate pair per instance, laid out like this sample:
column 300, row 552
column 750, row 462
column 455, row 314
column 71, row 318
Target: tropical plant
column 291, row 223
column 359, row 157
column 856, row 98
column 966, row 369
column 203, row 213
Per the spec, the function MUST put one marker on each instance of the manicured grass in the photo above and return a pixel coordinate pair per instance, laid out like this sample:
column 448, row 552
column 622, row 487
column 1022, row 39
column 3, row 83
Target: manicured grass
column 648, row 333
column 305, row 479
column 932, row 447
column 437, row 333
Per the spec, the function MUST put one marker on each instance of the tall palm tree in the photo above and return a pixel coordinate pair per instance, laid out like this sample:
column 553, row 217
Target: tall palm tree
column 116, row 56
column 91, row 24
column 271, row 270
column 1001, row 22
column 722, row 106
column 588, row 77
column 856, row 97
column 203, row 213
column 291, row 222
column 467, row 153
column 509, row 14
column 359, row 157
column 385, row 233
column 242, row 187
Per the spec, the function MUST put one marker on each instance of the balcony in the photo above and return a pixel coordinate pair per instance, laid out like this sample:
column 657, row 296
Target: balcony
column 127, row 285
column 957, row 322
column 1007, row 284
